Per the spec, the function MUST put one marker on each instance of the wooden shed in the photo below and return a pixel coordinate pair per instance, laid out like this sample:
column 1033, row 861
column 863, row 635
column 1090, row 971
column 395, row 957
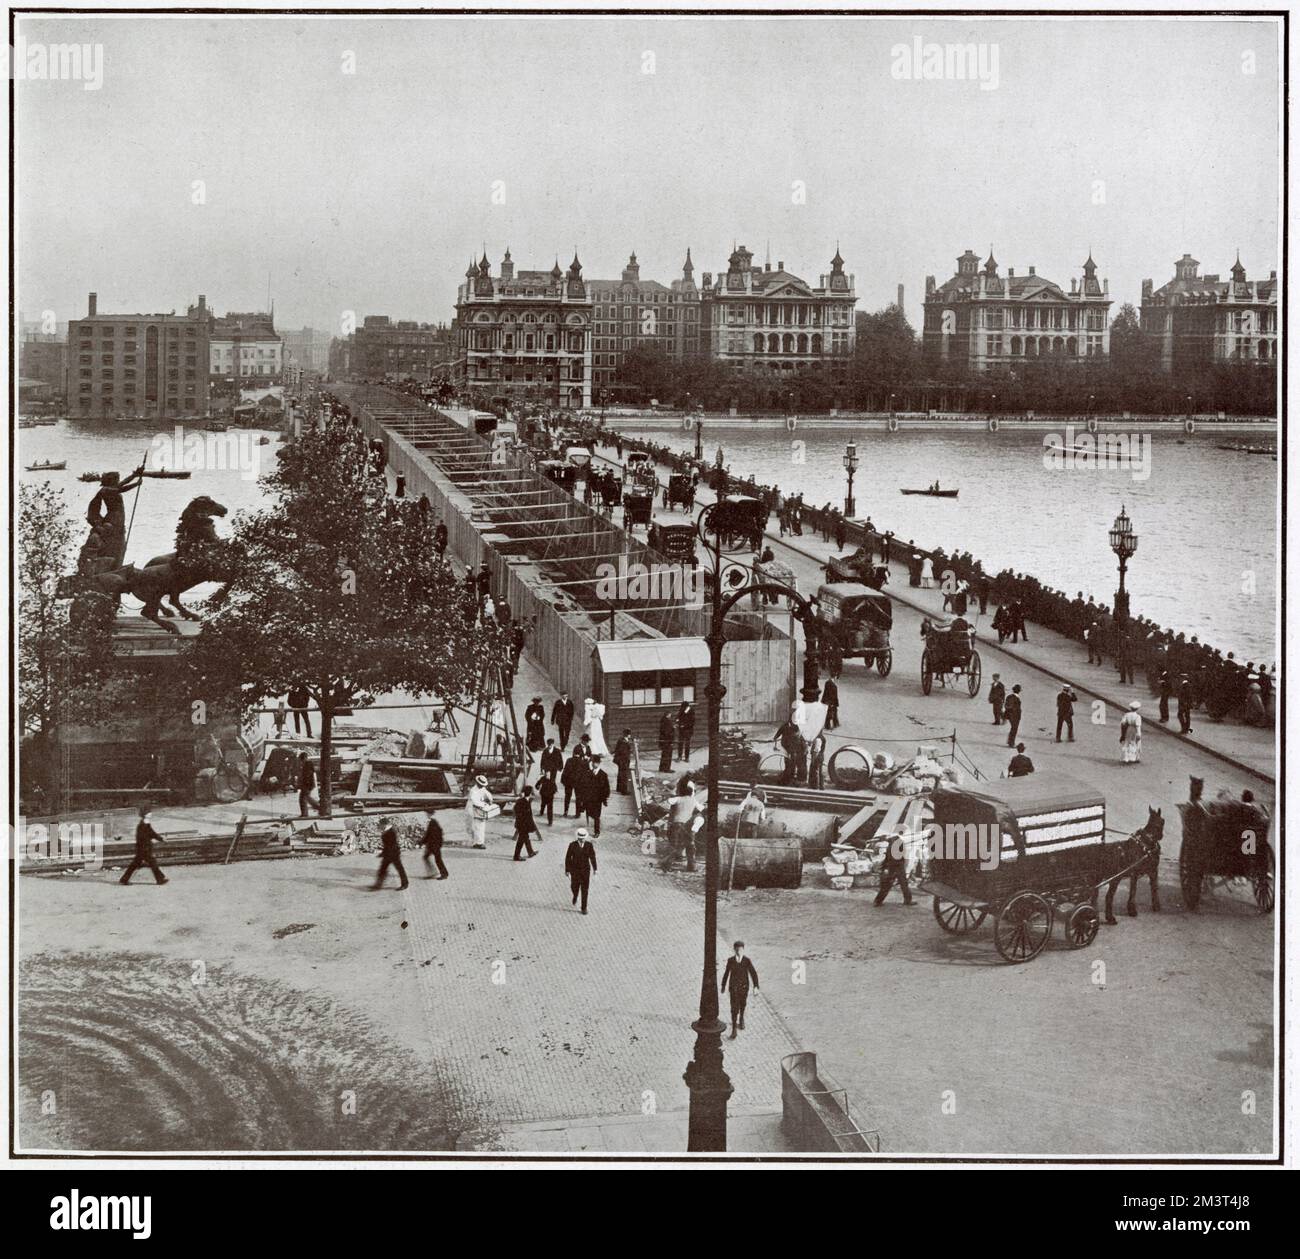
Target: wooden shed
column 640, row 679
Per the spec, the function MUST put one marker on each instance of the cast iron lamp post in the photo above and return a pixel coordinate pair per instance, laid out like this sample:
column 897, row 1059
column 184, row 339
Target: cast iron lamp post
column 1124, row 542
column 850, row 466
column 709, row 1084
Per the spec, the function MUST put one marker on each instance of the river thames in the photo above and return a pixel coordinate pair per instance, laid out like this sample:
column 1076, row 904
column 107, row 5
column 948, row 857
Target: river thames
column 1207, row 568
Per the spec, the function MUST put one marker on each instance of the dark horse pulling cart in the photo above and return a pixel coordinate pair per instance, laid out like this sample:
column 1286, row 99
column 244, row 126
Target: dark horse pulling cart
column 638, row 507
column 1032, row 852
column 1223, row 840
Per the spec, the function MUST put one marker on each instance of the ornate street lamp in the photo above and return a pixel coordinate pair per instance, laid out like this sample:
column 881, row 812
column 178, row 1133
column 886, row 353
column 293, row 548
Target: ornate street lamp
column 709, row 1084
column 850, row 466
column 1124, row 542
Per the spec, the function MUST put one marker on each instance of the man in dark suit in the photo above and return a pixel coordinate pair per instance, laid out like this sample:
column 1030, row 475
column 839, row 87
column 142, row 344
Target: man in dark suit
column 623, row 759
column 546, row 798
column 562, row 718
column 390, row 854
column 1012, row 712
column 144, row 837
column 580, row 865
column 595, row 795
column 893, row 870
column 736, row 978
column 572, row 780
column 1020, row 764
column 525, row 827
column 432, row 844
column 299, row 703
column 831, row 698
column 667, row 732
column 306, row 781
column 997, row 697
column 552, row 761
column 1065, row 699
column 685, row 729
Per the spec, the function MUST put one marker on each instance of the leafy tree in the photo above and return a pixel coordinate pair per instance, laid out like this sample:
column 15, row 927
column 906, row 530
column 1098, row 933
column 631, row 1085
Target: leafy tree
column 64, row 665
column 338, row 589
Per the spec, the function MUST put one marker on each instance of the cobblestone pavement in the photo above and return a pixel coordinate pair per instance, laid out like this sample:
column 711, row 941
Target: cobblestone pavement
column 559, row 1015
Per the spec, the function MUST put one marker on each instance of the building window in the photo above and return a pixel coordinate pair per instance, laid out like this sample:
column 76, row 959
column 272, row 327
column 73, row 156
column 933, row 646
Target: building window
column 667, row 686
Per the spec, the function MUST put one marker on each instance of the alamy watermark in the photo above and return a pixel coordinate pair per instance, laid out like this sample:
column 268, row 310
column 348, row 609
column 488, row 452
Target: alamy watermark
column 72, row 63
column 32, row 843
column 1098, row 452
column 653, row 583
column 193, row 450
column 975, row 63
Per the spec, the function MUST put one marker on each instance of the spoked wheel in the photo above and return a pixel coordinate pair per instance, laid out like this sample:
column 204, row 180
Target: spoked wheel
column 957, row 919
column 973, row 677
column 1023, row 927
column 1081, row 926
column 1263, row 880
column 927, row 676
column 1189, row 876
column 884, row 662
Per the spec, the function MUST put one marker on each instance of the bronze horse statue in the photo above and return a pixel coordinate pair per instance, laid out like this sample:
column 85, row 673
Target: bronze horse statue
column 1143, row 848
column 200, row 556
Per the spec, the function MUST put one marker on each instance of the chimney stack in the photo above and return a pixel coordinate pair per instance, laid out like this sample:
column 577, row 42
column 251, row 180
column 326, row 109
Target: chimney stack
column 94, row 303
column 203, row 303
column 900, row 299
column 1031, row 271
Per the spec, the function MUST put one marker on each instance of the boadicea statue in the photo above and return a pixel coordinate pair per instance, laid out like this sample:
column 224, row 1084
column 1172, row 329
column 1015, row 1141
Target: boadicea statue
column 200, row 555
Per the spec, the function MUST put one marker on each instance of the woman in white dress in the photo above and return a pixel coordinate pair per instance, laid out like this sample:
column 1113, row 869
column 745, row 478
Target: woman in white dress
column 927, row 573
column 1130, row 735
column 592, row 715
column 478, row 808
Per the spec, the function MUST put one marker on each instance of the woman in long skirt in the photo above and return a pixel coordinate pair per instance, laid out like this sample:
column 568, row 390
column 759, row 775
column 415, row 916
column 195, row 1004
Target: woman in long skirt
column 1130, row 735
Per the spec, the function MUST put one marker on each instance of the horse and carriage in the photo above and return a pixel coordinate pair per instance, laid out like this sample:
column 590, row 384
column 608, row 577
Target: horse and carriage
column 1225, row 840
column 675, row 542
column 1035, row 853
column 679, row 492
column 638, row 507
column 604, row 488
column 949, row 654
column 640, row 470
column 859, row 566
column 565, row 475
column 857, row 621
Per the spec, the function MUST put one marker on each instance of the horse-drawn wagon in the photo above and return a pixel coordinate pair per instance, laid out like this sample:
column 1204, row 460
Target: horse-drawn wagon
column 950, row 653
column 563, row 474
column 674, row 541
column 1031, row 851
column 858, row 566
column 640, row 470
column 679, row 492
column 739, row 519
column 1225, row 840
column 638, row 507
column 859, row 620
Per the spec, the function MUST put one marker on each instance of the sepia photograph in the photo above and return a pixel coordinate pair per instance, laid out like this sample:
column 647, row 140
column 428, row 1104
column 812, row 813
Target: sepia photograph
column 807, row 486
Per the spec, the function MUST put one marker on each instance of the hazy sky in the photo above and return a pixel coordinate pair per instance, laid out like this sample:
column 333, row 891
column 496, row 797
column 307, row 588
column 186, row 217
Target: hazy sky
column 369, row 191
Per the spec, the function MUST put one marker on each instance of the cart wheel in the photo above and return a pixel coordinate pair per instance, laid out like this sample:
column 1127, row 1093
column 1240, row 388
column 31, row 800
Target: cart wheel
column 231, row 784
column 973, row 677
column 1081, row 928
column 1189, row 876
column 1263, row 879
column 927, row 678
column 1023, row 927
column 884, row 662
column 957, row 919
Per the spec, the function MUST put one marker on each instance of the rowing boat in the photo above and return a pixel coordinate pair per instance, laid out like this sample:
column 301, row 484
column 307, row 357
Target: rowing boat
column 933, row 493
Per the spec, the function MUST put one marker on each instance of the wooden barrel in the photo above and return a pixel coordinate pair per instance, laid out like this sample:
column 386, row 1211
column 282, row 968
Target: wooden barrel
column 763, row 861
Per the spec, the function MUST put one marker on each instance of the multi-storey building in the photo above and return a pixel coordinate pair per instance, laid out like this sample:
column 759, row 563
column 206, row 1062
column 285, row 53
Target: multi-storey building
column 768, row 318
column 1198, row 320
column 139, row 365
column 984, row 321
column 246, row 348
column 383, row 348
column 631, row 313
column 526, row 335
column 308, row 349
column 43, row 356
column 340, row 360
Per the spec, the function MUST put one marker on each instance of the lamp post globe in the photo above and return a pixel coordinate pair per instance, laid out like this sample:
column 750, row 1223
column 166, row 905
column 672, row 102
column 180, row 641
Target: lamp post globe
column 850, row 466
column 1124, row 542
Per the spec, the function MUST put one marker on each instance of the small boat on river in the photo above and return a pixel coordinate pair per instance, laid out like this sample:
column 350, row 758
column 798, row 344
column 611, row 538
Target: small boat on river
column 933, row 492
column 46, row 465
